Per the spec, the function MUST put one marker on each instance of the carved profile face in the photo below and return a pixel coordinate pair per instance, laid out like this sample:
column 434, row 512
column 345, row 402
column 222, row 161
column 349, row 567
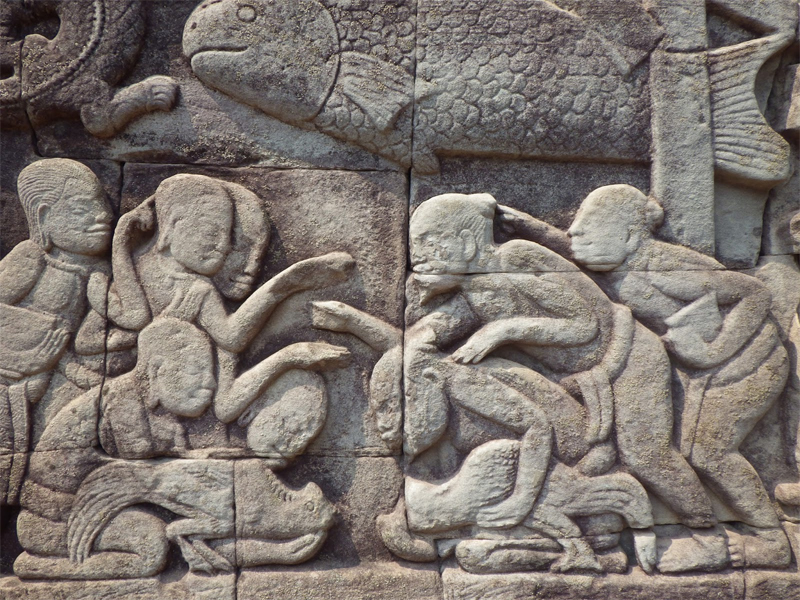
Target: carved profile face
column 441, row 251
column 601, row 234
column 80, row 221
column 448, row 233
column 238, row 275
column 200, row 238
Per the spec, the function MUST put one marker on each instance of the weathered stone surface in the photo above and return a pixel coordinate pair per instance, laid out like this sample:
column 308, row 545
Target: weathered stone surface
column 189, row 587
column 377, row 581
column 636, row 585
column 412, row 298
column 375, row 201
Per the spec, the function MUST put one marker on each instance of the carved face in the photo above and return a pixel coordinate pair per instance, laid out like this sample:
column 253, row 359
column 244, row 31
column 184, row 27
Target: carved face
column 200, row 239
column 441, row 251
column 80, row 222
column 601, row 235
column 250, row 238
column 184, row 382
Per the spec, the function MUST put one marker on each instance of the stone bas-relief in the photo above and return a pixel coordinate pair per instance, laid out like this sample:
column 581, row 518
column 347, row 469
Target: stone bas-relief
column 75, row 72
column 444, row 299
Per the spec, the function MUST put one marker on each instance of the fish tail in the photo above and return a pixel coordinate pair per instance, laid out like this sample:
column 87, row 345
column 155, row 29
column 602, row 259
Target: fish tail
column 745, row 146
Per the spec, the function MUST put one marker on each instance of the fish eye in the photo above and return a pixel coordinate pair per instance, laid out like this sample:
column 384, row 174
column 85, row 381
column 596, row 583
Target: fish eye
column 246, row 13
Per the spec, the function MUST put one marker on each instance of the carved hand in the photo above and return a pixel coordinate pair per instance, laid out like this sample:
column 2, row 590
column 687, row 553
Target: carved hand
column 511, row 219
column 319, row 356
column 51, row 347
column 142, row 217
column 687, row 344
column 320, row 271
column 487, row 338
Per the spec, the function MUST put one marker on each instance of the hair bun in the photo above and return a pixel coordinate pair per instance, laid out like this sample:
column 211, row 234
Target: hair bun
column 653, row 214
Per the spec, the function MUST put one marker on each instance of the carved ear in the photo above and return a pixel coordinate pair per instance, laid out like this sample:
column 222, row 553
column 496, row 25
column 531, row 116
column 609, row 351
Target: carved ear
column 470, row 246
column 41, row 216
column 164, row 234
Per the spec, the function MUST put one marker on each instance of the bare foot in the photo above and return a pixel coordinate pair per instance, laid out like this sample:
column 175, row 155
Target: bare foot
column 758, row 547
column 578, row 556
column 393, row 529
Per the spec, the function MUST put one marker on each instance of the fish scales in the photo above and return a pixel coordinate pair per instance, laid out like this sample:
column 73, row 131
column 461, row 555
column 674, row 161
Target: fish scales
column 523, row 79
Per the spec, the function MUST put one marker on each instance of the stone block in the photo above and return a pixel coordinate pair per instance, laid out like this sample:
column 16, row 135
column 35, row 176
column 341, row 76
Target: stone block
column 375, row 581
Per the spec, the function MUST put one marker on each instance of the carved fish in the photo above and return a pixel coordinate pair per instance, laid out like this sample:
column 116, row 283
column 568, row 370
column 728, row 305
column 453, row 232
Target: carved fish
column 285, row 59
column 74, row 73
column 539, row 78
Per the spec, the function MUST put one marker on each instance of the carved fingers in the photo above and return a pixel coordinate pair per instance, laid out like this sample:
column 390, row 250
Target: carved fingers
column 511, row 219
column 51, row 347
column 142, row 217
column 321, row 271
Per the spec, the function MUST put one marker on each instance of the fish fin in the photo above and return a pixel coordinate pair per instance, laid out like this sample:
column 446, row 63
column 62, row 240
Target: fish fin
column 381, row 89
column 745, row 146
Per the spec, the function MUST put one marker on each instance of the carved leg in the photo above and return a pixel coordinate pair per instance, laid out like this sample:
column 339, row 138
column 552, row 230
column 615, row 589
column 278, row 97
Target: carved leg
column 644, row 421
column 394, row 531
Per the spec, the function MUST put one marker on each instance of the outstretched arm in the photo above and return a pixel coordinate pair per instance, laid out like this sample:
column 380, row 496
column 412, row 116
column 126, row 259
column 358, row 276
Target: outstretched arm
column 517, row 223
column 337, row 316
column 574, row 322
column 233, row 332
column 230, row 404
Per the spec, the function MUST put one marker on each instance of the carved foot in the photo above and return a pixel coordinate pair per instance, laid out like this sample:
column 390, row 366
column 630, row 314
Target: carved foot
column 681, row 550
column 396, row 536
column 200, row 557
column 578, row 556
column 506, row 556
column 758, row 547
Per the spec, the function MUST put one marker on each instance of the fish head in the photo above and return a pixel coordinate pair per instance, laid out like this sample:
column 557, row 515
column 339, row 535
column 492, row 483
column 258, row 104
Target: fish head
column 280, row 56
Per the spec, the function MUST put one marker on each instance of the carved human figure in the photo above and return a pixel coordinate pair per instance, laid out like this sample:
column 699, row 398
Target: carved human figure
column 81, row 518
column 527, row 304
column 43, row 302
column 213, row 233
column 789, row 493
column 722, row 343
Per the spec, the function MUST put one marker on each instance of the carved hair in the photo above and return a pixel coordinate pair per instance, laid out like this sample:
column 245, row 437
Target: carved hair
column 644, row 211
column 44, row 183
column 169, row 337
column 176, row 197
column 456, row 212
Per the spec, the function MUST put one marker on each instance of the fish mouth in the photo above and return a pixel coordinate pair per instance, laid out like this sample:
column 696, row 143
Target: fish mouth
column 222, row 49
